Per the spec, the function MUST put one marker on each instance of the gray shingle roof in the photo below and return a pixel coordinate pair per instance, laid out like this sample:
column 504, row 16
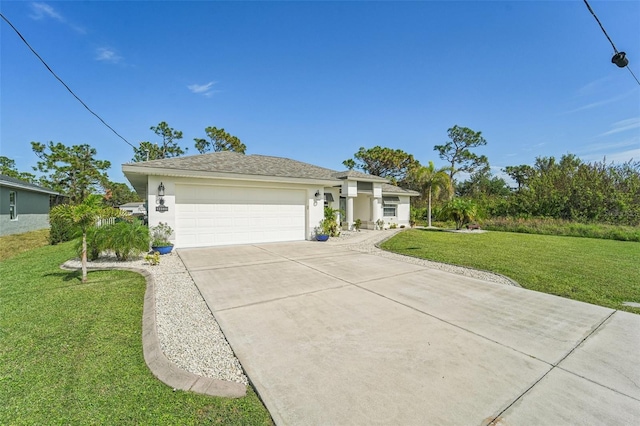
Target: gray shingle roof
column 262, row 165
column 359, row 175
column 232, row 162
column 17, row 183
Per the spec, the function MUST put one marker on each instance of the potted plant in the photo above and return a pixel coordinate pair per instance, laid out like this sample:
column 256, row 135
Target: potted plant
column 328, row 226
column 323, row 230
column 160, row 238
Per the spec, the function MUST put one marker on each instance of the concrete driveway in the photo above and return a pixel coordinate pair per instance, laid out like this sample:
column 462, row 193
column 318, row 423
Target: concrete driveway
column 330, row 336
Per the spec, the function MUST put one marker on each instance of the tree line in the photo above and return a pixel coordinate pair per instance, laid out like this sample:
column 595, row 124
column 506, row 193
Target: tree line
column 568, row 188
column 75, row 171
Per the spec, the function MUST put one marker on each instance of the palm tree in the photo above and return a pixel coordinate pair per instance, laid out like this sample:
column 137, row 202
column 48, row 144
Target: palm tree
column 83, row 216
column 433, row 181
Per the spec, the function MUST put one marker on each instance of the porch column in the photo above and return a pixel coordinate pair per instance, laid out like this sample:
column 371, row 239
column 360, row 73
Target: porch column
column 349, row 213
column 375, row 210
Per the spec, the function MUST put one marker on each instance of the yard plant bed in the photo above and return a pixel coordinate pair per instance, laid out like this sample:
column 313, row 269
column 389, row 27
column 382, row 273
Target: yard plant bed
column 72, row 353
column 602, row 272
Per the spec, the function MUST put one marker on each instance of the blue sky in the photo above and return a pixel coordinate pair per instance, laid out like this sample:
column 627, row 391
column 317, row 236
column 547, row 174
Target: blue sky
column 314, row 81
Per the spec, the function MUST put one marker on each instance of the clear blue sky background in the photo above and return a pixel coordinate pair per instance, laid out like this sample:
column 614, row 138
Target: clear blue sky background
column 314, row 81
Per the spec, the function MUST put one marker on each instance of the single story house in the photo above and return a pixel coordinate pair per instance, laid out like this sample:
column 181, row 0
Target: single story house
column 137, row 208
column 24, row 206
column 227, row 198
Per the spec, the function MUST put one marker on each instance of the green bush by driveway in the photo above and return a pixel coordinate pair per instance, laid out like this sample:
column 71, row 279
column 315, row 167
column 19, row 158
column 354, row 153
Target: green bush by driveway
column 602, row 272
column 71, row 353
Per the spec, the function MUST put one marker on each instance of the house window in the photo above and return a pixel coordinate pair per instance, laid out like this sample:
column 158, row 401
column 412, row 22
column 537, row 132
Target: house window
column 13, row 212
column 389, row 206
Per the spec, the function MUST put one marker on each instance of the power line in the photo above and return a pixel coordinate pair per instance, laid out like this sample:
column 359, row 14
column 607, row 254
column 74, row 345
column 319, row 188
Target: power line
column 612, row 45
column 62, row 82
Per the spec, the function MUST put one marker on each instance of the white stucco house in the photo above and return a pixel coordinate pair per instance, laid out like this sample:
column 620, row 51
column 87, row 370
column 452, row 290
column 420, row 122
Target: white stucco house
column 134, row 208
column 228, row 198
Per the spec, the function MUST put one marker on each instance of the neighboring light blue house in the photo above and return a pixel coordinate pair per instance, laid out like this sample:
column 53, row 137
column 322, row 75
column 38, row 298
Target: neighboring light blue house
column 24, row 207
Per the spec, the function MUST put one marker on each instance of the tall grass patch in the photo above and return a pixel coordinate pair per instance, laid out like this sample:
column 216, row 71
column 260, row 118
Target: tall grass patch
column 549, row 226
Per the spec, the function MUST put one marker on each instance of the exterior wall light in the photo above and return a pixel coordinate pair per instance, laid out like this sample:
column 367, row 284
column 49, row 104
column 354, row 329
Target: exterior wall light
column 161, row 207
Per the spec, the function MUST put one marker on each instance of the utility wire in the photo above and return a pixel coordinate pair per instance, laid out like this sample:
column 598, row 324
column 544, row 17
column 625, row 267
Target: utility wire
column 609, row 38
column 601, row 27
column 62, row 82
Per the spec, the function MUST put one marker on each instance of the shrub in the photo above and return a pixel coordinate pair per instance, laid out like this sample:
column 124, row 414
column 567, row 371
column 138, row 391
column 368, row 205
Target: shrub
column 124, row 238
column 461, row 211
column 329, row 225
column 96, row 242
column 61, row 228
column 152, row 258
column 128, row 239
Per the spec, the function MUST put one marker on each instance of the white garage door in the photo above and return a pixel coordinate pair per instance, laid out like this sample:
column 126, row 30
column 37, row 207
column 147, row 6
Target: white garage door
column 212, row 215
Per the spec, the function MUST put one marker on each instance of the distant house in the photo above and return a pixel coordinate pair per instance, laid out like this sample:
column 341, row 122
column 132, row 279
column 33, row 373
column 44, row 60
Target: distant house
column 136, row 208
column 24, row 207
column 229, row 198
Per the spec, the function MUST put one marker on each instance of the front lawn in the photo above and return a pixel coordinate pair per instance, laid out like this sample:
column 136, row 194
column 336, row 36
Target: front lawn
column 71, row 353
column 602, row 272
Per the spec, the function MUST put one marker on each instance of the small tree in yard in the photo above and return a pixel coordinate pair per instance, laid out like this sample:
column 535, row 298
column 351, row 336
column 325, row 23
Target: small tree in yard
column 83, row 216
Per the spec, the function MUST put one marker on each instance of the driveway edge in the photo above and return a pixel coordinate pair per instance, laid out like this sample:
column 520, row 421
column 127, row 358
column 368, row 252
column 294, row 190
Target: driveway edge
column 161, row 367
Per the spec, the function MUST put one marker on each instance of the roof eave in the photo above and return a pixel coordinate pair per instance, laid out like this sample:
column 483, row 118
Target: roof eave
column 28, row 188
column 133, row 170
column 404, row 192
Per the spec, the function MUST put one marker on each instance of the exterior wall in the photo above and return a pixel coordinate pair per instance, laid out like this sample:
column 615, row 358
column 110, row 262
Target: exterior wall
column 168, row 217
column 315, row 211
column 32, row 211
column 314, row 206
column 349, row 188
column 362, row 208
column 403, row 211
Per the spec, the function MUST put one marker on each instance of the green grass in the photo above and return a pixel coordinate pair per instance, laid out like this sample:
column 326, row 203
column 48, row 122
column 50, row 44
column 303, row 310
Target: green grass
column 602, row 272
column 12, row 245
column 71, row 353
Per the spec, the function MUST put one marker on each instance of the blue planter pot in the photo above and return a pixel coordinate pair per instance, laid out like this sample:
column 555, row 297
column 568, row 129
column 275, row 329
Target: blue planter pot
column 163, row 249
column 322, row 237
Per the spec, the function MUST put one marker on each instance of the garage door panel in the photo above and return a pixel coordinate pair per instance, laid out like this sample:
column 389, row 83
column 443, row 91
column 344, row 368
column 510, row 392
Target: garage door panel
column 228, row 215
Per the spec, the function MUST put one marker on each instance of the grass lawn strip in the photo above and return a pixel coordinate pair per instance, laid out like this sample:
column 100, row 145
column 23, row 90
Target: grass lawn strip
column 12, row 245
column 602, row 272
column 72, row 353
